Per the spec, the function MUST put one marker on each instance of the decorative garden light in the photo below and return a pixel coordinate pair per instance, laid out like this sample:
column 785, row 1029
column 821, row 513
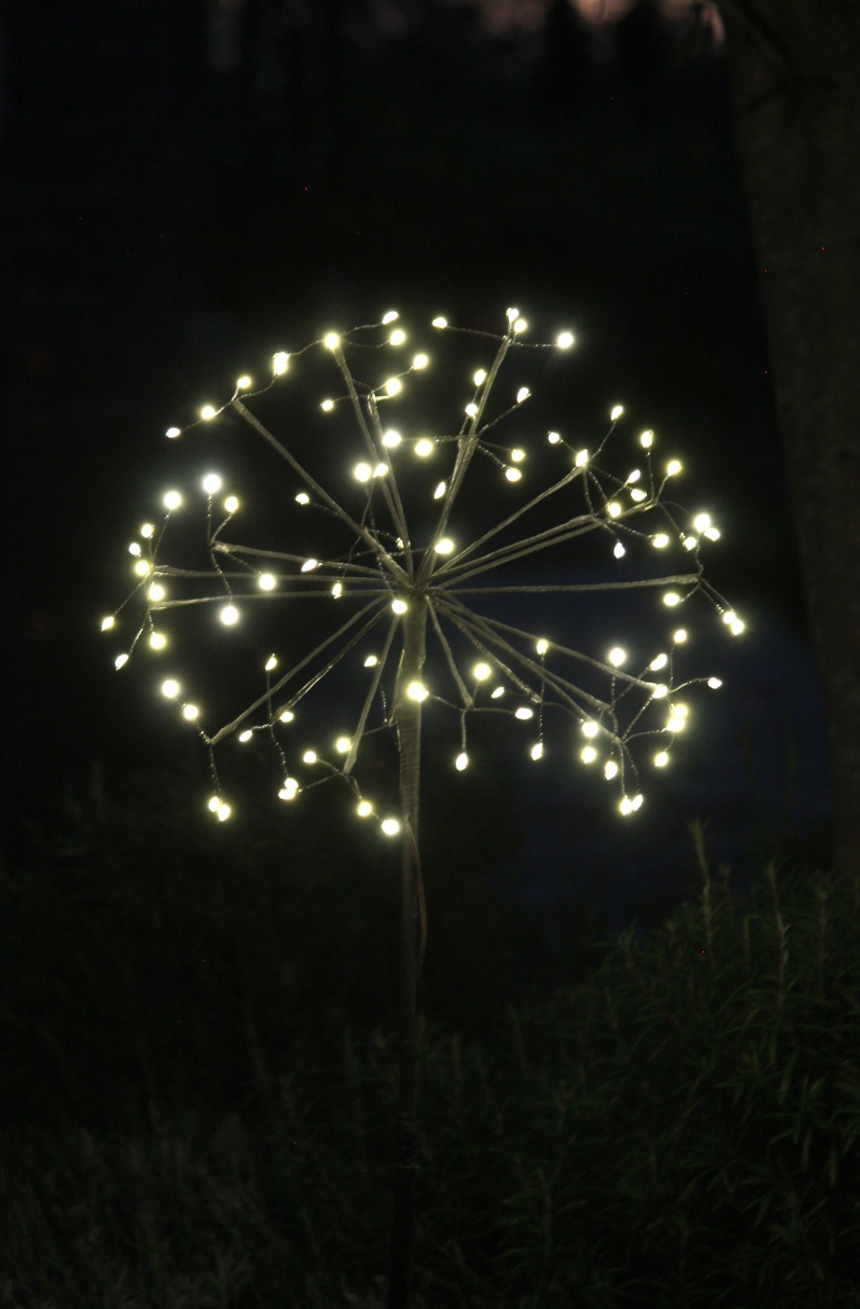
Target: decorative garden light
column 410, row 591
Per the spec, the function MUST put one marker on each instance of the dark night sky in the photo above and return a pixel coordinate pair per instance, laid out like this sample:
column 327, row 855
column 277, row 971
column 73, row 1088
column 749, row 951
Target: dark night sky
column 181, row 199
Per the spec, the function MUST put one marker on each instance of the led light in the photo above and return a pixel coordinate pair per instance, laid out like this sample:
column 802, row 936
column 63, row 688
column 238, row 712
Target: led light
column 416, row 691
column 564, row 340
column 633, row 477
column 638, row 495
column 331, row 341
column 391, row 439
column 362, row 472
column 729, row 617
column 673, row 468
column 399, row 606
column 142, row 567
column 660, row 662
column 120, row 661
column 342, row 744
column 647, row 439
column 309, row 757
column 471, row 409
column 513, row 474
column 439, row 322
column 309, row 565
column 289, row 790
column 520, row 325
column 660, row 541
column 271, row 663
column 626, row 807
column 518, row 456
column 173, row 432
column 390, row 317
column 590, row 729
column 690, row 543
column 524, row 713
column 243, row 383
column 523, row 394
column 190, row 711
column 279, row 362
column 479, row 377
column 712, row 533
column 327, row 406
column 661, row 759
column 424, row 448
column 134, row 548
column 636, row 802
column 619, row 550
column 581, row 458
column 616, row 412
column 536, row 751
column 613, row 509
column 158, row 641
column 497, row 693
column 397, row 338
column 303, row 498
column 617, row 656
column 266, row 582
column 737, row 627
column 610, row 770
column 224, row 812
column 512, row 314
column 214, row 804
column 701, row 521
column 671, row 598
column 440, row 491
column 444, row 547
column 542, row 646
column 207, row 412
column 390, row 826
column 420, row 361
column 170, row 688
column 212, row 483
column 231, row 504
column 147, row 530
column 173, row 500
column 229, row 615
column 371, row 661
column 393, row 385
column 286, row 716
column 107, row 623
column 461, row 762
column 553, row 438
column 364, row 809
column 680, row 636
column 380, row 470
column 337, row 590
column 588, row 754
column 714, row 682
column 682, row 710
column 660, row 691
column 481, row 672
column 246, row 735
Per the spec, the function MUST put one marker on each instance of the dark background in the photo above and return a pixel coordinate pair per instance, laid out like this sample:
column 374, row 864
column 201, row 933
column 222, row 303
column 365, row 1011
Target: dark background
column 188, row 187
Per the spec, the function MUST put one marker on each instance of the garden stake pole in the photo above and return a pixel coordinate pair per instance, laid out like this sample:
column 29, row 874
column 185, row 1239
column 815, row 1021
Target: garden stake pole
column 408, row 719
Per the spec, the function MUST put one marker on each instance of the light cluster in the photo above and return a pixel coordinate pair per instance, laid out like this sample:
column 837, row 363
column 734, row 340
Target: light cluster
column 386, row 571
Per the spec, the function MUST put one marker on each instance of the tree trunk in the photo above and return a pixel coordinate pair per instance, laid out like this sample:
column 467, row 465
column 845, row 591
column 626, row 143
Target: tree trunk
column 795, row 74
column 408, row 718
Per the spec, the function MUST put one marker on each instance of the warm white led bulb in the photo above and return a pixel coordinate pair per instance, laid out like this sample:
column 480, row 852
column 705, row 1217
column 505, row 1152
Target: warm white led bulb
column 303, row 498
column 610, row 770
column 647, row 439
column 173, row 432
column 242, row 383
column 390, row 317
column 279, row 362
column 518, row 456
column 633, row 477
column 246, row 735
column 364, row 809
column 462, row 761
column 173, row 500
column 660, row 691
column 613, row 509
column 536, row 751
column 440, row 322
column 616, row 412
column 120, row 661
column 671, row 598
column 289, row 790
column 393, row 385
column 497, row 693
column 553, row 438
column 588, row 754
column 542, row 646
column 619, row 550
column 581, row 458
column 212, row 483
column 564, row 340
column 170, row 688
column 158, row 640
column 513, row 474
column 481, row 672
column 207, row 412
column 523, row 394
column 512, row 314
column 660, row 662
column 660, row 541
column 231, row 504
column 397, row 338
column 214, row 804
column 701, row 521
column 362, row 472
column 524, row 713
column 266, row 582
column 142, row 567
column 444, row 547
column 714, row 683
column 391, row 439
column 440, row 491
column 390, row 826
column 371, row 661
column 107, row 623
column 271, row 663
column 424, row 448
column 636, row 802
column 342, row 744
column 680, row 636
column 327, row 406
column 471, row 409
column 626, row 807
column 712, row 533
column 479, row 377
column 420, row 361
column 229, row 615
column 337, row 590
column 520, row 325
column 690, row 543
column 661, row 759
column 638, row 495
column 309, row 757
column 309, row 565
column 286, row 716
column 737, row 627
column 416, row 691
column 399, row 606
column 190, row 711
column 590, row 729
column 617, row 656
column 147, row 530
column 224, row 812
column 331, row 340
column 673, row 468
